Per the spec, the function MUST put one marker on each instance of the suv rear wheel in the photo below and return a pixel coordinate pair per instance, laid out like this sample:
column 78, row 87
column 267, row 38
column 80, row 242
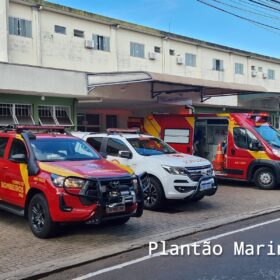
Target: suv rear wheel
column 264, row 178
column 154, row 198
column 39, row 217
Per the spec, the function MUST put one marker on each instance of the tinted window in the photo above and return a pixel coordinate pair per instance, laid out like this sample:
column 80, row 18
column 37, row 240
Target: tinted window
column 243, row 138
column 3, row 145
column 17, row 148
column 114, row 146
column 95, row 142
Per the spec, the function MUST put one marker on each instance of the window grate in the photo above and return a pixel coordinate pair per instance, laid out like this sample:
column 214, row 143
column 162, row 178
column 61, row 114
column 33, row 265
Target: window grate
column 23, row 114
column 63, row 115
column 46, row 115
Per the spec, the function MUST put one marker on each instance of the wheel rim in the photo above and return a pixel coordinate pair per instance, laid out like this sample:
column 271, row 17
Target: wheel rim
column 38, row 217
column 150, row 195
column 265, row 178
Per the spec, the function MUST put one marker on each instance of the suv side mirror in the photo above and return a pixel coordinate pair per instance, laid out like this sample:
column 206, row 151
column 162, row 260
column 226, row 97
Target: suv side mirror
column 19, row 158
column 255, row 146
column 125, row 154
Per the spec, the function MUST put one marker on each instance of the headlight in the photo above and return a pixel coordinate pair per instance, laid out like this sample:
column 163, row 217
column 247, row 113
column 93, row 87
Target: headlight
column 276, row 152
column 175, row 170
column 57, row 180
column 75, row 183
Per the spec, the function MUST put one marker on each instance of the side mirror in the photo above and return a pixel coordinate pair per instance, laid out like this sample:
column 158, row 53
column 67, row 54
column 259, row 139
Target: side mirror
column 103, row 154
column 255, row 146
column 19, row 158
column 125, row 154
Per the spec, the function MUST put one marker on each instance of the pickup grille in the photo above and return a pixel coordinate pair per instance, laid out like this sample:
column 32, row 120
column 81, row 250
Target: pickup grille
column 195, row 173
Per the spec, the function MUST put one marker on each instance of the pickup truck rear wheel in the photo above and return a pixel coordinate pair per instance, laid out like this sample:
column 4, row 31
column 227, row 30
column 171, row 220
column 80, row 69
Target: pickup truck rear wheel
column 154, row 198
column 265, row 178
column 39, row 217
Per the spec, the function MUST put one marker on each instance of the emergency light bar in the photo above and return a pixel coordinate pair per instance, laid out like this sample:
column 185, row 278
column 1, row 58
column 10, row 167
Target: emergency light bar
column 120, row 131
column 21, row 128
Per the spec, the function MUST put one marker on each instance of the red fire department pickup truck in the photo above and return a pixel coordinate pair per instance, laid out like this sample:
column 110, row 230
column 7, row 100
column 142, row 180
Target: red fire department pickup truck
column 51, row 177
column 251, row 146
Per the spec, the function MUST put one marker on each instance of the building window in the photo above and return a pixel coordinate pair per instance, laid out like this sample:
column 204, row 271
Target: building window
column 20, row 27
column 60, row 29
column 260, row 69
column 179, row 136
column 63, row 115
column 137, row 50
column 55, row 115
column 23, row 114
column 171, row 52
column 190, row 59
column 111, row 121
column 88, row 122
column 271, row 74
column 157, row 49
column 239, row 68
column 79, row 33
column 16, row 114
column 101, row 43
column 218, row 65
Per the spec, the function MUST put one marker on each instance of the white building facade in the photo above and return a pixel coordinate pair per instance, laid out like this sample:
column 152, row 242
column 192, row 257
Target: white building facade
column 39, row 35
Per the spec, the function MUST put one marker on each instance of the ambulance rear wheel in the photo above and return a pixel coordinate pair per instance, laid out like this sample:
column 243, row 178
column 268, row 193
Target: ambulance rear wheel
column 39, row 218
column 265, row 178
column 154, row 198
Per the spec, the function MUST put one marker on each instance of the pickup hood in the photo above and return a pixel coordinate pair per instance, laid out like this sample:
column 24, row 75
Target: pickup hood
column 87, row 168
column 180, row 160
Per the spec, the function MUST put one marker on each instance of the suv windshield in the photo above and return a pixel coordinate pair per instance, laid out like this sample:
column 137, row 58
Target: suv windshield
column 270, row 134
column 150, row 146
column 62, row 149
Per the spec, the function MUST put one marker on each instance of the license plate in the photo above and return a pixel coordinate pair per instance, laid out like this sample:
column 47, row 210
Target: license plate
column 205, row 186
column 115, row 209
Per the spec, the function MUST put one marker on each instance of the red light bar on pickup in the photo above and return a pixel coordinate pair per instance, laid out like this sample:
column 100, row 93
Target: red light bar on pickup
column 122, row 131
column 20, row 128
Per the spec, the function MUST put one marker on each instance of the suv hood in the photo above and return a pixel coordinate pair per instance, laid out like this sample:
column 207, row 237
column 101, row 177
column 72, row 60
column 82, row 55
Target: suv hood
column 180, row 160
column 86, row 168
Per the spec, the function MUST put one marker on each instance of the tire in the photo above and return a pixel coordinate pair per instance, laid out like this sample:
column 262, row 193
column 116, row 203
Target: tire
column 39, row 218
column 119, row 221
column 264, row 178
column 197, row 198
column 154, row 198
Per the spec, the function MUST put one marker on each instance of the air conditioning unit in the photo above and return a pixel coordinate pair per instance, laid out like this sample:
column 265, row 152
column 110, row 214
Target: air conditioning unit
column 264, row 76
column 254, row 73
column 89, row 44
column 152, row 55
column 179, row 60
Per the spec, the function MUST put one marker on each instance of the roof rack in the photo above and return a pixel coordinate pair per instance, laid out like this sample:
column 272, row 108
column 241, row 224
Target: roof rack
column 123, row 131
column 21, row 128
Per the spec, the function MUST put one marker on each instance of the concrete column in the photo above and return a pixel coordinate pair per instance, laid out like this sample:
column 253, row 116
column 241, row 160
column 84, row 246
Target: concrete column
column 36, row 34
column 4, row 29
column 114, row 47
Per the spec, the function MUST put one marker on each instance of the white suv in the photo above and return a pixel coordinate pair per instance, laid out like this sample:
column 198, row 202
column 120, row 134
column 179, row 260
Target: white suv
column 173, row 175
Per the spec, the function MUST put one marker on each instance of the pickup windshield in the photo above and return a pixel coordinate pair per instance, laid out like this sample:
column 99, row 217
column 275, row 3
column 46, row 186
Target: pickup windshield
column 269, row 134
column 150, row 146
column 62, row 149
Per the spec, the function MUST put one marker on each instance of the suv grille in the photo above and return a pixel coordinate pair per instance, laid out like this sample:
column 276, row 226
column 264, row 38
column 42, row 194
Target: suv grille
column 195, row 173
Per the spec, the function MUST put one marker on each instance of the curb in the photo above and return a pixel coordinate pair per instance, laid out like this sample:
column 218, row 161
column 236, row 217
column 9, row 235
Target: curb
column 37, row 271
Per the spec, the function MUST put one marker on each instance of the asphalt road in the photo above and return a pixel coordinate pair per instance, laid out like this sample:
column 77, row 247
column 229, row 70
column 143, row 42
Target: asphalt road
column 137, row 265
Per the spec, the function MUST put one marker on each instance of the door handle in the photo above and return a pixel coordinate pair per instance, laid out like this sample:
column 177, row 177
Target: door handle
column 232, row 152
column 5, row 167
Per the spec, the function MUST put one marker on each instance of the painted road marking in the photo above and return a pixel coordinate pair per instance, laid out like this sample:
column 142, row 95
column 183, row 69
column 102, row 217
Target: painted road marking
column 215, row 237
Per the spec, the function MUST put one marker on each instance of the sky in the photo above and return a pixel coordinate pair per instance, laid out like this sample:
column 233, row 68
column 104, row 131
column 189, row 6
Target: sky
column 192, row 19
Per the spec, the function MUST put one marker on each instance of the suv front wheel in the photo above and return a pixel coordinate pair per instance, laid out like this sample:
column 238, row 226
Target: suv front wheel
column 154, row 198
column 39, row 217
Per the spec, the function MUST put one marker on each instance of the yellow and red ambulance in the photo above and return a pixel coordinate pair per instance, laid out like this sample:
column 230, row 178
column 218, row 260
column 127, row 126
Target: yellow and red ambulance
column 251, row 146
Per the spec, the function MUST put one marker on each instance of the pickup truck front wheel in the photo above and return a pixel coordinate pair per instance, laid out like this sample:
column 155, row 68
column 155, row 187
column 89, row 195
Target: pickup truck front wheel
column 154, row 198
column 39, row 217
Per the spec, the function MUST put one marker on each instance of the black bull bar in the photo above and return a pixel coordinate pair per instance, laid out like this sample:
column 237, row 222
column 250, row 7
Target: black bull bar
column 94, row 190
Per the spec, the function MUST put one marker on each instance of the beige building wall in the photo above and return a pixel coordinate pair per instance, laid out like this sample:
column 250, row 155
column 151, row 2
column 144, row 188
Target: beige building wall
column 49, row 49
